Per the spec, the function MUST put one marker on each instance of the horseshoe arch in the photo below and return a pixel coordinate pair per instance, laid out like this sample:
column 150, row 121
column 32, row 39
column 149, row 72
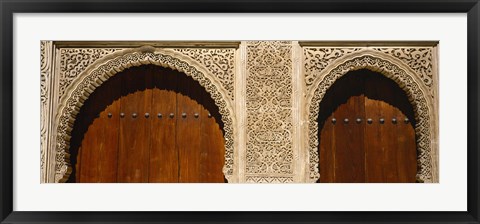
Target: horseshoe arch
column 405, row 77
column 104, row 68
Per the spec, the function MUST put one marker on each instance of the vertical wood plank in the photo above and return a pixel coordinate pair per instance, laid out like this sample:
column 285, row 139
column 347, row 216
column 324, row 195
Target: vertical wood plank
column 212, row 144
column 98, row 155
column 88, row 168
column 406, row 154
column 188, row 130
column 389, row 130
column 408, row 170
column 163, row 152
column 133, row 165
column 374, row 139
column 327, row 141
column 349, row 155
column 390, row 158
column 108, row 148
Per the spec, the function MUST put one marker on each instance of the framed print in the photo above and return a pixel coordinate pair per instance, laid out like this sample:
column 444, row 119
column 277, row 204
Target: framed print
column 271, row 111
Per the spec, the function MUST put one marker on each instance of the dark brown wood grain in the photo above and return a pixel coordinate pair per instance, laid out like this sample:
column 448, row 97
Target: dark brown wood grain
column 212, row 143
column 188, row 132
column 133, row 165
column 373, row 153
column 374, row 139
column 327, row 138
column 99, row 145
column 107, row 164
column 327, row 150
column 163, row 152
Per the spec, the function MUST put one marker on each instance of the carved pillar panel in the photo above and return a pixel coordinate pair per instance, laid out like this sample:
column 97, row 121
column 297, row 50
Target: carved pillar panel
column 269, row 131
column 46, row 77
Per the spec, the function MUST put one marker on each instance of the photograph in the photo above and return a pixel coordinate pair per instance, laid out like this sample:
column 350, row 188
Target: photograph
column 239, row 111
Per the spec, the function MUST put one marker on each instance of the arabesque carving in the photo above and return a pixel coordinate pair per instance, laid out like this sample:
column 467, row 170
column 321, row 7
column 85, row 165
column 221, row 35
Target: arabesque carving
column 269, row 109
column 73, row 61
column 219, row 62
column 103, row 69
column 317, row 58
column 419, row 59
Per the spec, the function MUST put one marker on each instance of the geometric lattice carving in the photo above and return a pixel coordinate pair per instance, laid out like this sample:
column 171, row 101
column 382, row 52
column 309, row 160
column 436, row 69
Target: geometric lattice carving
column 89, row 80
column 269, row 111
column 219, row 62
column 404, row 80
column 264, row 179
column 317, row 58
column 73, row 61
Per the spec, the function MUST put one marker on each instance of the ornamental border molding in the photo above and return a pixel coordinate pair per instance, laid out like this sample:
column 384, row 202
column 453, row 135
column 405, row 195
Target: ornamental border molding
column 418, row 93
column 104, row 68
column 269, row 179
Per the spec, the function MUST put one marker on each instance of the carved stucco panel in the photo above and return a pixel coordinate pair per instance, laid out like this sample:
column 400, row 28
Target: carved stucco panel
column 73, row 61
column 418, row 59
column 318, row 58
column 111, row 64
column 220, row 62
column 269, row 111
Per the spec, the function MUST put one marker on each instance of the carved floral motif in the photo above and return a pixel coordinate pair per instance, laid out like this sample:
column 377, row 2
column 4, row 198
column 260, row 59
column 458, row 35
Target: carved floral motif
column 73, row 61
column 269, row 108
column 317, row 58
column 220, row 62
column 419, row 59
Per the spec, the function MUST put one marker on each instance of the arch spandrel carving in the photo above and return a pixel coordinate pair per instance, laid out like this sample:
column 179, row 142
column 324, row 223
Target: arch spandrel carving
column 220, row 62
column 102, row 69
column 411, row 82
column 419, row 59
column 73, row 61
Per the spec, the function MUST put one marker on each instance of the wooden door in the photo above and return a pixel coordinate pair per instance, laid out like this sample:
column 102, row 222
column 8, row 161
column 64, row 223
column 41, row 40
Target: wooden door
column 366, row 131
column 148, row 124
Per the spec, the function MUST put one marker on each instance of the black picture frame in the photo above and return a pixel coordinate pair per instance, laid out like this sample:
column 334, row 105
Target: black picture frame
column 9, row 7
